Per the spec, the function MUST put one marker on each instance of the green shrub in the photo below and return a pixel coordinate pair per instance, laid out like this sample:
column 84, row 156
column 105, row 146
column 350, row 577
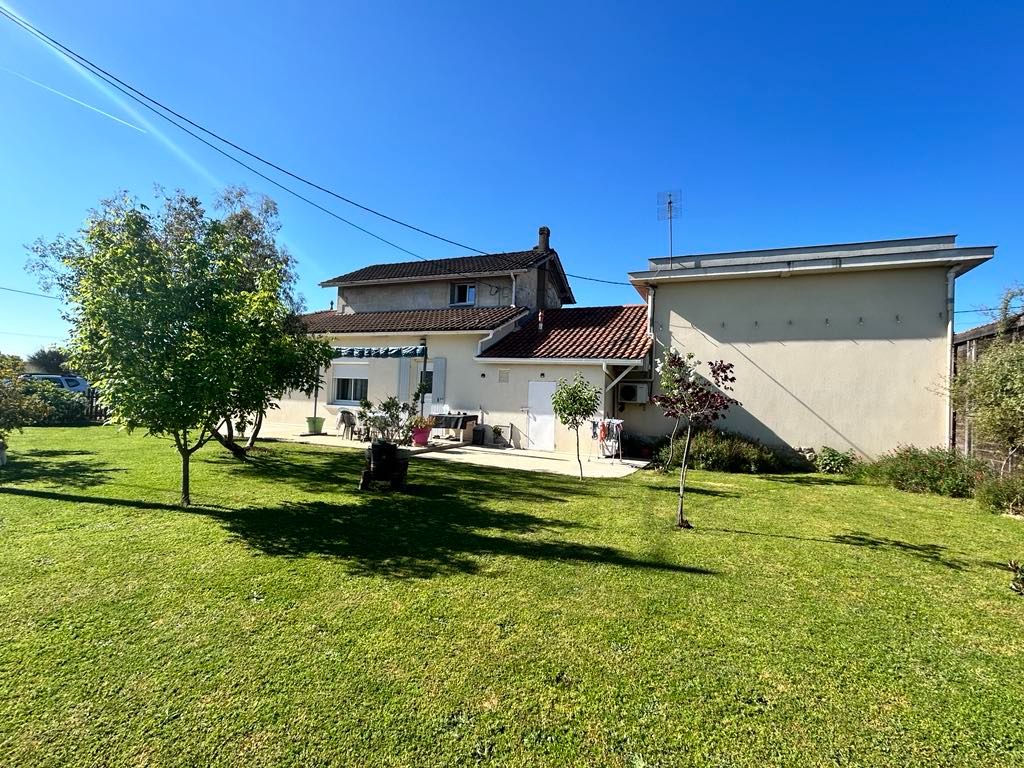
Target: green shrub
column 65, row 408
column 1002, row 494
column 720, row 451
column 945, row 471
column 832, row 462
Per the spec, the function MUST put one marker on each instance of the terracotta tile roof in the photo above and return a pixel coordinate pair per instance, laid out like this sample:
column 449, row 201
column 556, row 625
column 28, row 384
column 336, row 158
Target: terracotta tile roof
column 412, row 321
column 463, row 265
column 599, row 333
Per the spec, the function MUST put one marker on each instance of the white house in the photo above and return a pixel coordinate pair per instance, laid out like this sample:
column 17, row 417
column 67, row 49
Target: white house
column 492, row 334
column 845, row 345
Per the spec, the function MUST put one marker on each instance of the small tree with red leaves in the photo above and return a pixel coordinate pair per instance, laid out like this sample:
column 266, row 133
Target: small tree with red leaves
column 699, row 400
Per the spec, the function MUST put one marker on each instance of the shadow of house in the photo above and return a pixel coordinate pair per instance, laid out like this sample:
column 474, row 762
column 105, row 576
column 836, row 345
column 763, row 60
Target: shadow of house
column 402, row 536
column 445, row 523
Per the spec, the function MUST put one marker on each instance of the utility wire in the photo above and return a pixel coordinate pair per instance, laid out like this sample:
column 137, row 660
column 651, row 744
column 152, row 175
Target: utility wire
column 137, row 94
column 30, row 293
column 126, row 90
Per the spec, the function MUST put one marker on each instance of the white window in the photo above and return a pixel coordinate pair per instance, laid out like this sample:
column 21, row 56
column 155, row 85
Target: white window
column 462, row 293
column 351, row 383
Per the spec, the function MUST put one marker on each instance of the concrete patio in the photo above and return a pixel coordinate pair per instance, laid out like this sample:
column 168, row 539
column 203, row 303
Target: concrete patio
column 535, row 461
column 293, row 434
column 465, row 453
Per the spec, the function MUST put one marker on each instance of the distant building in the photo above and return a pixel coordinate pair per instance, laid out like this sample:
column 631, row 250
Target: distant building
column 967, row 347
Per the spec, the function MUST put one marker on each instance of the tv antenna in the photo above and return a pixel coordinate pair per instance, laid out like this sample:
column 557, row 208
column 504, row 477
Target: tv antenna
column 669, row 208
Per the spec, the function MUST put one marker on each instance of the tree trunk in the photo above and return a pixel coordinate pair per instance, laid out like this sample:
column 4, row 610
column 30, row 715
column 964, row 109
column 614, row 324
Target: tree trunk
column 672, row 445
column 186, row 498
column 228, row 442
column 681, row 521
column 578, row 460
column 256, row 426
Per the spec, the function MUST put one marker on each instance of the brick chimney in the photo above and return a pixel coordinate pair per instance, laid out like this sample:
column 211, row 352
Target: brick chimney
column 544, row 240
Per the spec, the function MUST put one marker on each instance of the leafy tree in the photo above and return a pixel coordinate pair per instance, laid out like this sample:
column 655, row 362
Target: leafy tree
column 18, row 406
column 686, row 395
column 48, row 360
column 171, row 313
column 279, row 357
column 990, row 390
column 573, row 403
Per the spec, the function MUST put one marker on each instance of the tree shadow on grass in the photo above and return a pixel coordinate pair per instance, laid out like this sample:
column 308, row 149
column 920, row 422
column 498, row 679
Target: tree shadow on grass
column 333, row 471
column 404, row 536
column 696, row 490
column 807, row 479
column 57, row 467
column 932, row 553
column 73, row 498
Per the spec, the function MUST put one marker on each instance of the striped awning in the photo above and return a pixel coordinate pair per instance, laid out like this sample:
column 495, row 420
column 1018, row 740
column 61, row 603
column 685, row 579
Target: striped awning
column 417, row 351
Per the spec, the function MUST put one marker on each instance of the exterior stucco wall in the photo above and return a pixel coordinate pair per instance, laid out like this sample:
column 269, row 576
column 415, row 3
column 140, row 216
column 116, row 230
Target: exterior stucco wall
column 853, row 360
column 502, row 404
column 433, row 294
column 527, row 291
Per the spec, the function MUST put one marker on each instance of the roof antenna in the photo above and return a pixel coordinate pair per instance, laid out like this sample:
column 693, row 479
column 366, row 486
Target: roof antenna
column 669, row 208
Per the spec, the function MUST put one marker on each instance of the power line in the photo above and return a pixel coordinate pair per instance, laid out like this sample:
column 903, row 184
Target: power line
column 979, row 309
column 114, row 82
column 30, row 293
column 30, row 335
column 138, row 96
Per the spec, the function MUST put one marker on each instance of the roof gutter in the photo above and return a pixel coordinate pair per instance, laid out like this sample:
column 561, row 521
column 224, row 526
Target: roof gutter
column 602, row 361
column 965, row 260
column 504, row 329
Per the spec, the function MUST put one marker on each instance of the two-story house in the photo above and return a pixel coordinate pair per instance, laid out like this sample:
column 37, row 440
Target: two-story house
column 491, row 335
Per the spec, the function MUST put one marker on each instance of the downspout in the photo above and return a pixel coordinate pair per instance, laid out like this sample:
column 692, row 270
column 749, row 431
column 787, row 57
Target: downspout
column 950, row 301
column 513, row 275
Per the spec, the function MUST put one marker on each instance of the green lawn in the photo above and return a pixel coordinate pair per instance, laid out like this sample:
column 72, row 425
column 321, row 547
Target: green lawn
column 494, row 618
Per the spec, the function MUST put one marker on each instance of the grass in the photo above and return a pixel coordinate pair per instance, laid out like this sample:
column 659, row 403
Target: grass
column 494, row 618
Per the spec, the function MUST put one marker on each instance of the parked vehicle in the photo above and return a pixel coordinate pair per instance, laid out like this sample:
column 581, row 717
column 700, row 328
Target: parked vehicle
column 72, row 383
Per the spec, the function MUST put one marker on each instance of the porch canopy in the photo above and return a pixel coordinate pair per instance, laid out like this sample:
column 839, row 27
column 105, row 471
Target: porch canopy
column 416, row 351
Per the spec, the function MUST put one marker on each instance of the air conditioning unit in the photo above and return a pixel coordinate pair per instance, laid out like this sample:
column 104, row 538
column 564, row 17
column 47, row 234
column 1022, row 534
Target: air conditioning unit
column 634, row 393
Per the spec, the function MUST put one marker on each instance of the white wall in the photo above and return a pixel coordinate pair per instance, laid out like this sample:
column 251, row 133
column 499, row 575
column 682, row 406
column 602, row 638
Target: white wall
column 465, row 388
column 850, row 360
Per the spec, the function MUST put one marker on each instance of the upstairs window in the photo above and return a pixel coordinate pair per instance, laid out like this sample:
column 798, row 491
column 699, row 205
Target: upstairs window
column 462, row 294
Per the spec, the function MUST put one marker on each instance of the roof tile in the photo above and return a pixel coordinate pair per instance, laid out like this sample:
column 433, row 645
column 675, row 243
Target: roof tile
column 462, row 265
column 599, row 333
column 412, row 321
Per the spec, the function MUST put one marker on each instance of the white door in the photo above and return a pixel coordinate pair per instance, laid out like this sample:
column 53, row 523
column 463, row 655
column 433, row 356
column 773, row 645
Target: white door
column 540, row 430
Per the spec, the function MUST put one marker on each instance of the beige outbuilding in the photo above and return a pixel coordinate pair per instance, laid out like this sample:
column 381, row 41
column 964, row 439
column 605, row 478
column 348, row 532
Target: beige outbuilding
column 841, row 345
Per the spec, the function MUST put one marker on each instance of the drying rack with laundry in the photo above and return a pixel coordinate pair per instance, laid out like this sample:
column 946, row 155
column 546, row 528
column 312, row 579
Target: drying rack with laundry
column 608, row 434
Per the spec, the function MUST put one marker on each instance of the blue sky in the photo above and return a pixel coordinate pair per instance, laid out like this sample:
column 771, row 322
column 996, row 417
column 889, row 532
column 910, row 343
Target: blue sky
column 782, row 123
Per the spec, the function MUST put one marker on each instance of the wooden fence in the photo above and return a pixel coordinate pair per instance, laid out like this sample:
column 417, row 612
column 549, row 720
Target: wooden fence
column 94, row 411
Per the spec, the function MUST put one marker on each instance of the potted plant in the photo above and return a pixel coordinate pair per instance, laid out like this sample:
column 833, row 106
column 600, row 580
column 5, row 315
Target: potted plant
column 496, row 434
column 314, row 424
column 420, row 427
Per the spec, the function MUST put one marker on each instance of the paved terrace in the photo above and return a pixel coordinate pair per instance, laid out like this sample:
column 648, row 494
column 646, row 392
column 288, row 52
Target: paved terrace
column 484, row 456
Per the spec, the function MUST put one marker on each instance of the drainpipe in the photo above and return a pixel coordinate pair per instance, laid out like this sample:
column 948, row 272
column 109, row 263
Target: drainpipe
column 650, row 311
column 513, row 275
column 950, row 301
